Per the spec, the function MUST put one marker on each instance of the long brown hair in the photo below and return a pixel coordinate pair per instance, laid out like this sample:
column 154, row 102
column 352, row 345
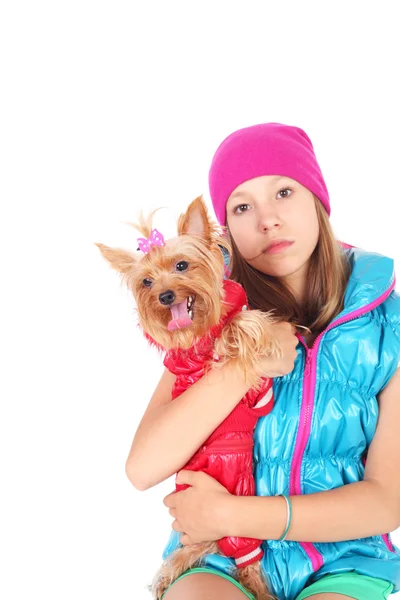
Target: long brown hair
column 328, row 274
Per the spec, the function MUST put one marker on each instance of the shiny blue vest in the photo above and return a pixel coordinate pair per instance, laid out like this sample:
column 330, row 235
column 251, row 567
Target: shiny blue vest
column 317, row 436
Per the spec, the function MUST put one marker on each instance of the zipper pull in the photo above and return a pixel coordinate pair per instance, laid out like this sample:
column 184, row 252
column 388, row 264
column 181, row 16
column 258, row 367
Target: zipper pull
column 307, row 369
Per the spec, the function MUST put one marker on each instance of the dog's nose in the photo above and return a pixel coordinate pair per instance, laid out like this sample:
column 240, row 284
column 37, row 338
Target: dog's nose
column 167, row 297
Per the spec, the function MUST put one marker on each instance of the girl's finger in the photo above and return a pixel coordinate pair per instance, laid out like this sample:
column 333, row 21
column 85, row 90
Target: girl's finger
column 175, row 525
column 169, row 500
column 185, row 540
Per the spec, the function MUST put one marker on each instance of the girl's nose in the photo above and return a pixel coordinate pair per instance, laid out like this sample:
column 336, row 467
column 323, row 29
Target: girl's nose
column 268, row 219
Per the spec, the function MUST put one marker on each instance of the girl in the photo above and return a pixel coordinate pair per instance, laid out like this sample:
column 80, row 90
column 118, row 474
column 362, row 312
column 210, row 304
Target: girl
column 337, row 393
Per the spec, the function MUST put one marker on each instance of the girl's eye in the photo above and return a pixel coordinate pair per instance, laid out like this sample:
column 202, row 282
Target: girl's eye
column 182, row 265
column 241, row 206
column 147, row 282
column 284, row 190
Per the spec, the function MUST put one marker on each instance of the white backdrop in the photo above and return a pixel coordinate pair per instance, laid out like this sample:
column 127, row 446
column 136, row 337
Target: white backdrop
column 112, row 106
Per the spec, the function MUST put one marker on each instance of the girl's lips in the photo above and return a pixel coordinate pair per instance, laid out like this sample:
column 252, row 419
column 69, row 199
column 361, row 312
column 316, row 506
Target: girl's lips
column 276, row 248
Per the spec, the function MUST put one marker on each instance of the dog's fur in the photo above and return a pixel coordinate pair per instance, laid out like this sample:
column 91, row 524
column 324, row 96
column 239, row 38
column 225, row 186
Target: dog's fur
column 245, row 338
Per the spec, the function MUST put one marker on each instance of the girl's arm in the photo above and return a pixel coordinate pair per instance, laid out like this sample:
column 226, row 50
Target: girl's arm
column 353, row 511
column 356, row 510
column 171, row 432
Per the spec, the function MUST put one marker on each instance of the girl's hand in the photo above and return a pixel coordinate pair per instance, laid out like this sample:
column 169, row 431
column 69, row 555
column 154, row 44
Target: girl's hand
column 285, row 334
column 199, row 510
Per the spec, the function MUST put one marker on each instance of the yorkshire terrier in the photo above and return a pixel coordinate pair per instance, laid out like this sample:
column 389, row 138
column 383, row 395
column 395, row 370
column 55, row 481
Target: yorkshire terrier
column 201, row 319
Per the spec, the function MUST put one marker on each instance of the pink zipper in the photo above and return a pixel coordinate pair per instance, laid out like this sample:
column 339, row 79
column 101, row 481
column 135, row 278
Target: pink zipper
column 226, row 445
column 310, row 375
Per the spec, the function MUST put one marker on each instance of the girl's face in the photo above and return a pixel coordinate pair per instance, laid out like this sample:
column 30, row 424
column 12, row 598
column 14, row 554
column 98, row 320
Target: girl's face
column 262, row 210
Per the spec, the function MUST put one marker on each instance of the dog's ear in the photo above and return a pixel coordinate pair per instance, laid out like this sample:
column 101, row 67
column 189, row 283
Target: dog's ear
column 195, row 221
column 120, row 260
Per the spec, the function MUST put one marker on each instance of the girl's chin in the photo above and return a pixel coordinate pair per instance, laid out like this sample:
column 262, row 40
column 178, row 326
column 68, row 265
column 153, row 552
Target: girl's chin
column 283, row 268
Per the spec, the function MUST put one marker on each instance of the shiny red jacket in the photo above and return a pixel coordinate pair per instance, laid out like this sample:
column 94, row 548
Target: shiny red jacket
column 227, row 454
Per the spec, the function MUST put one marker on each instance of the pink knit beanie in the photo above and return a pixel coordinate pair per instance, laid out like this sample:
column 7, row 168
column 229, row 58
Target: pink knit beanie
column 265, row 149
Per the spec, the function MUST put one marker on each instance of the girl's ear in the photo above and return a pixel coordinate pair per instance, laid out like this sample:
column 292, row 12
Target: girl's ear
column 120, row 260
column 195, row 221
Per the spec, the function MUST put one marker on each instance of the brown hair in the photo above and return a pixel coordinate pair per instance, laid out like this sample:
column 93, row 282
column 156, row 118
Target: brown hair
column 328, row 274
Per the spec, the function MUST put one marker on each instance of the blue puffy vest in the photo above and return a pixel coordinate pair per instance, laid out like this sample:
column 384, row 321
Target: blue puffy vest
column 317, row 436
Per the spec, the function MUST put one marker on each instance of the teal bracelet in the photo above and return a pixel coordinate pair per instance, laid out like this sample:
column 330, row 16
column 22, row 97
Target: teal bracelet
column 289, row 517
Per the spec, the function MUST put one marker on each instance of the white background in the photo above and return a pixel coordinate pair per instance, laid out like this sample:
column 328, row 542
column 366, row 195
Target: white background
column 108, row 107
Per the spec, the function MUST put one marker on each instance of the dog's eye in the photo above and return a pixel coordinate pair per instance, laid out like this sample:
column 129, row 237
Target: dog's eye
column 147, row 282
column 182, row 265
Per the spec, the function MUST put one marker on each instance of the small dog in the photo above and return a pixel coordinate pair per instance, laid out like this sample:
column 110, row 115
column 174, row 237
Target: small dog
column 186, row 308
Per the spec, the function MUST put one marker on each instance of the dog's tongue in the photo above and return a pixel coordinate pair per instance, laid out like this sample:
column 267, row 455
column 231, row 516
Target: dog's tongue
column 180, row 317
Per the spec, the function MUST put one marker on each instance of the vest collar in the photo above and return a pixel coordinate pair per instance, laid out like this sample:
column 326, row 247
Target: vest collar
column 371, row 276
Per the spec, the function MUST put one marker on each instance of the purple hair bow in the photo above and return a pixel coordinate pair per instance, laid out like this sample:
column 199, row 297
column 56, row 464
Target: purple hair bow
column 155, row 239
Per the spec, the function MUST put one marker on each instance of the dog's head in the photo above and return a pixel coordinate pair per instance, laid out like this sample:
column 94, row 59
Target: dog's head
column 177, row 283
